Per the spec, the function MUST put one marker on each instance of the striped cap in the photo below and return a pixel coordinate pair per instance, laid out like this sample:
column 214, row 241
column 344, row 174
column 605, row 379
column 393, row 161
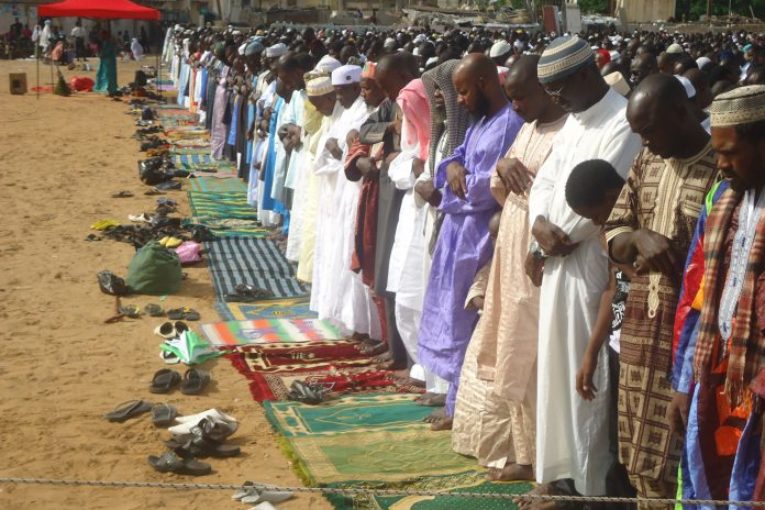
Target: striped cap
column 319, row 86
column 743, row 105
column 563, row 57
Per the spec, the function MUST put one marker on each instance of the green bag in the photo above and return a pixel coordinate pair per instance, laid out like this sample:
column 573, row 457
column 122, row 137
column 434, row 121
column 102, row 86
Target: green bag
column 154, row 270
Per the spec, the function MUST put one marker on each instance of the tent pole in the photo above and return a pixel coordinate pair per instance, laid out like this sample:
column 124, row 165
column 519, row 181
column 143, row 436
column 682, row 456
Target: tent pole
column 37, row 55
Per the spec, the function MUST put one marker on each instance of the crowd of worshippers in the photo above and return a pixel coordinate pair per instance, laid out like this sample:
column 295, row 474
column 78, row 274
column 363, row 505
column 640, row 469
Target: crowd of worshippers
column 574, row 276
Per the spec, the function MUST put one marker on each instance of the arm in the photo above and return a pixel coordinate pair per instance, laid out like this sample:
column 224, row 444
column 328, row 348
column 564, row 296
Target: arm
column 477, row 292
column 623, row 223
column 584, row 384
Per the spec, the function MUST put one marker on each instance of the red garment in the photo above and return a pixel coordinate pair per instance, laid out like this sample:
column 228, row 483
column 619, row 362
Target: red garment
column 365, row 232
column 81, row 83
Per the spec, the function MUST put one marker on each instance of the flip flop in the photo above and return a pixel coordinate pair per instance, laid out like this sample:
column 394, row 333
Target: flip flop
column 163, row 415
column 154, row 310
column 131, row 311
column 194, row 381
column 164, row 381
column 170, row 462
column 127, row 410
column 190, row 445
column 185, row 313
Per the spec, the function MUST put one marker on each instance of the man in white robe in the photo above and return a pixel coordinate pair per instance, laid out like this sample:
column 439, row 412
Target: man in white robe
column 572, row 434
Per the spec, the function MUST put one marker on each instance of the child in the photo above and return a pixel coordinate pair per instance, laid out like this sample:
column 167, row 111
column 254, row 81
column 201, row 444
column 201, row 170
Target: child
column 591, row 191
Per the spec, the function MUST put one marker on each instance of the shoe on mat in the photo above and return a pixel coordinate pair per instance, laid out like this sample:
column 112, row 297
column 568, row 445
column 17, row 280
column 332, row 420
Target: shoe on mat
column 195, row 381
column 163, row 415
column 170, row 462
column 164, row 381
column 127, row 410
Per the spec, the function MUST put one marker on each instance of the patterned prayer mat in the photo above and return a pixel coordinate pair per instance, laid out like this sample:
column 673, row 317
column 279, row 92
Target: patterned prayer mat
column 450, row 485
column 201, row 159
column 377, row 438
column 226, row 213
column 258, row 262
column 294, row 308
column 283, row 358
column 203, row 183
column 270, row 331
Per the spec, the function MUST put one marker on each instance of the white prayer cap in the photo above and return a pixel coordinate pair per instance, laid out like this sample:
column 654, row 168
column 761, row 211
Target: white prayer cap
column 674, row 49
column 236, row 32
column 241, row 49
column 500, row 48
column 431, row 60
column 389, row 43
column 421, row 38
column 615, row 56
column 617, row 82
column 703, row 62
column 277, row 50
column 346, row 75
column 690, row 90
column 327, row 64
column 519, row 45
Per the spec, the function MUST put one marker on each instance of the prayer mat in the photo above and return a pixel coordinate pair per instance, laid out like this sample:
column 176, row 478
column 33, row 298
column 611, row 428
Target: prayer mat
column 379, row 438
column 257, row 262
column 281, row 358
column 295, row 308
column 450, row 485
column 208, row 184
column 221, row 205
column 228, row 335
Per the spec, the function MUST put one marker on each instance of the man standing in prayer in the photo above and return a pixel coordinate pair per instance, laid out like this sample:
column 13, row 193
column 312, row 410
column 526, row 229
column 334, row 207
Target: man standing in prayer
column 724, row 421
column 507, row 342
column 651, row 227
column 572, row 434
column 463, row 245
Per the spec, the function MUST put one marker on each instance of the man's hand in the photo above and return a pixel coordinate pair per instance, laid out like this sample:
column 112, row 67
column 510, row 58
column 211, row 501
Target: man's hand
column 455, row 178
column 428, row 192
column 584, row 385
column 351, row 137
column 551, row 238
column 534, row 268
column 514, row 175
column 656, row 253
column 418, row 166
column 366, row 166
column 333, row 148
column 477, row 302
column 677, row 414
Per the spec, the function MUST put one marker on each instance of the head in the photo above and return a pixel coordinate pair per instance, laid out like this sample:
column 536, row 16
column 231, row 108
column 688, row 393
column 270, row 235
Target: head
column 291, row 68
column 477, row 83
column 345, row 80
column 371, row 92
column 395, row 71
column 592, row 189
column 523, row 89
column 700, row 82
column 568, row 73
column 738, row 136
column 666, row 62
column 325, row 103
column 642, row 66
column 659, row 111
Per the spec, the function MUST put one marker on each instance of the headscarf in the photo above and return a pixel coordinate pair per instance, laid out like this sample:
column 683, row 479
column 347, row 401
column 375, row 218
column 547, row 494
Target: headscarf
column 457, row 117
column 414, row 103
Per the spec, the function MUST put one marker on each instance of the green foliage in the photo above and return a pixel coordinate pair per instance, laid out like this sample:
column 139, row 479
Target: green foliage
column 593, row 6
column 696, row 8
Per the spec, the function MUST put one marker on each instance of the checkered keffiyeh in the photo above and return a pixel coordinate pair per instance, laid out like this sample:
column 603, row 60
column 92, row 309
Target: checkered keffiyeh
column 746, row 347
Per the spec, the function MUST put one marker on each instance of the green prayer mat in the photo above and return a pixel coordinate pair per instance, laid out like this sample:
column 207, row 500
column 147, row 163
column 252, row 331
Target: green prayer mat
column 218, row 184
column 226, row 213
column 379, row 438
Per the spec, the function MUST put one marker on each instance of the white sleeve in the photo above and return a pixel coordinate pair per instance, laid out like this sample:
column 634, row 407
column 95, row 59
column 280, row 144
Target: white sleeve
column 541, row 194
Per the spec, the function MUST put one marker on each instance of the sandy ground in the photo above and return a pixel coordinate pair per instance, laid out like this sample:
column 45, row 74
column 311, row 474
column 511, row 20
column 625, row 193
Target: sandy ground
column 61, row 367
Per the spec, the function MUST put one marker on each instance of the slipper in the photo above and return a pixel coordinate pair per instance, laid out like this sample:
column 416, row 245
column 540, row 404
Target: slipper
column 310, row 394
column 169, row 358
column 190, row 445
column 247, row 489
column 163, row 415
column 186, row 313
column 128, row 410
column 164, row 381
column 209, row 428
column 122, row 194
column 154, row 310
column 139, row 218
column 131, row 311
column 166, row 330
column 170, row 462
column 194, row 381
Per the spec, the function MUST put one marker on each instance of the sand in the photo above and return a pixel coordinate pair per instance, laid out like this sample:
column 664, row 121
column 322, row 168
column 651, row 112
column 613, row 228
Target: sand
column 61, row 367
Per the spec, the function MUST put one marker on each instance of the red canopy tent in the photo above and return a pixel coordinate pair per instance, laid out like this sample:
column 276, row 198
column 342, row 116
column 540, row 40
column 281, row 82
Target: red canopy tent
column 104, row 9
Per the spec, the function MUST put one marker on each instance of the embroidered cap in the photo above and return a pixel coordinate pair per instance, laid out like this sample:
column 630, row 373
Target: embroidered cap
column 319, row 86
column 327, row 64
column 346, row 75
column 563, row 57
column 500, row 48
column 743, row 105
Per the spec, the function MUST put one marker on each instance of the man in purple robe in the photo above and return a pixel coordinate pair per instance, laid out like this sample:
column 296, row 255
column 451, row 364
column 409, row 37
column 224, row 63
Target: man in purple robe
column 463, row 245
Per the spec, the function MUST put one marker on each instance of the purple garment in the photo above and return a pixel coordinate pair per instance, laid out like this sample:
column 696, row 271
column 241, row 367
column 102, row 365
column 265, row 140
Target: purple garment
column 463, row 245
column 218, row 132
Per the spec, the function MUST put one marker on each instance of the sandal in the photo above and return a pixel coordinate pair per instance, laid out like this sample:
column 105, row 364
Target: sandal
column 195, row 381
column 154, row 310
column 131, row 311
column 210, row 428
column 128, row 410
column 170, row 462
column 164, row 381
column 245, row 293
column 163, row 415
column 193, row 445
column 185, row 313
column 310, row 394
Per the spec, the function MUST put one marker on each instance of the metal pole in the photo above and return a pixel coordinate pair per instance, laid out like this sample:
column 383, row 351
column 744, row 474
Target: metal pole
column 37, row 55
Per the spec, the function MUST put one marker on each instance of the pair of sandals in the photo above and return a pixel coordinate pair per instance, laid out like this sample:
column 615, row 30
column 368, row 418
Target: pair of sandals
column 185, row 313
column 169, row 330
column 246, row 293
column 162, row 415
column 311, row 394
column 193, row 382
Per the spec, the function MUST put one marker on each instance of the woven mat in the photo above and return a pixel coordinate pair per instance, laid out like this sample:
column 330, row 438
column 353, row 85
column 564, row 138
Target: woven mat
column 206, row 184
column 258, row 262
column 293, row 308
column 378, row 438
column 226, row 213
column 299, row 358
column 232, row 334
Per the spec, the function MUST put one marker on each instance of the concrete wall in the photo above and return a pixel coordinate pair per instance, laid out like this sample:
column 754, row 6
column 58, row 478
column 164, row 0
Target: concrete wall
column 639, row 11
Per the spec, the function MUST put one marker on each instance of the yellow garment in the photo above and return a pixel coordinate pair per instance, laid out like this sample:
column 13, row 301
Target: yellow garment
column 105, row 224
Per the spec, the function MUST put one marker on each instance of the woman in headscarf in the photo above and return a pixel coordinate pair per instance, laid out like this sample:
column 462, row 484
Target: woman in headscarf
column 106, row 79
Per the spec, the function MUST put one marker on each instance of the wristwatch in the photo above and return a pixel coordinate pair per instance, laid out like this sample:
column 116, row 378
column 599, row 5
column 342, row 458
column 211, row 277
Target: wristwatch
column 536, row 251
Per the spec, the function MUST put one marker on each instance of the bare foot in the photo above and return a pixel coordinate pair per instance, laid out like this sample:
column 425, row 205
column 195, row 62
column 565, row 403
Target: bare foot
column 436, row 415
column 442, row 424
column 401, row 378
column 511, row 472
column 536, row 504
column 431, row 399
column 383, row 358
